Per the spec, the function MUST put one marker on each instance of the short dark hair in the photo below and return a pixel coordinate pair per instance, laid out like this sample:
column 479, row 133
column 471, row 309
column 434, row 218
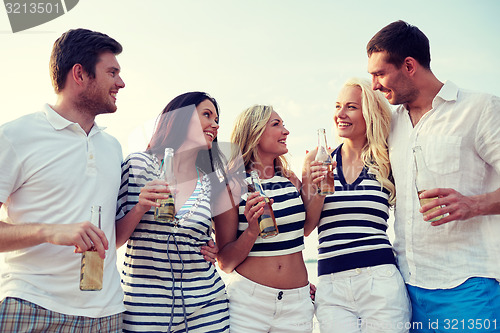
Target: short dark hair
column 78, row 46
column 400, row 40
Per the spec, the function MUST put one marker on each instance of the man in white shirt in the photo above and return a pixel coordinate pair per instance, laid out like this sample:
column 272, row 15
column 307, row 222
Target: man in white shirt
column 54, row 165
column 451, row 266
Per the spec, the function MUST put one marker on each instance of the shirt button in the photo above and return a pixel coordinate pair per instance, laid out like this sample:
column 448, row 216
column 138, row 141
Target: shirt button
column 358, row 271
column 91, row 156
column 280, row 295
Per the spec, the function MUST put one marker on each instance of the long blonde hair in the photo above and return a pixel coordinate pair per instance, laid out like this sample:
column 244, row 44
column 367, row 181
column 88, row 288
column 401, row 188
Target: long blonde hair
column 377, row 114
column 247, row 131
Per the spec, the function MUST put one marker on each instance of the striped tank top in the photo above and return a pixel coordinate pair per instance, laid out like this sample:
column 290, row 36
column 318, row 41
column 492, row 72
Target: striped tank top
column 353, row 223
column 290, row 216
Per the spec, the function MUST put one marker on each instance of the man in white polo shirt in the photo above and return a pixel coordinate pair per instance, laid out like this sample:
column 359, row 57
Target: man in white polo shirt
column 54, row 165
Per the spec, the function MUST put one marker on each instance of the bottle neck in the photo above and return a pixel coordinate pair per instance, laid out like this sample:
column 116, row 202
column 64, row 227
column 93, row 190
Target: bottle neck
column 322, row 140
column 256, row 183
column 95, row 216
column 322, row 155
column 167, row 170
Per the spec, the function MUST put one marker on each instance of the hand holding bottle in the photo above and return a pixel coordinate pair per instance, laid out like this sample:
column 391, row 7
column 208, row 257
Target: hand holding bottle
column 165, row 207
column 267, row 221
column 254, row 209
column 318, row 172
column 83, row 236
column 92, row 264
column 326, row 185
column 425, row 180
column 152, row 192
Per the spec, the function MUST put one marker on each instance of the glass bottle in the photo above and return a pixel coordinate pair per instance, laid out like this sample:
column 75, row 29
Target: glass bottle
column 424, row 180
column 327, row 185
column 267, row 221
column 91, row 270
column 166, row 211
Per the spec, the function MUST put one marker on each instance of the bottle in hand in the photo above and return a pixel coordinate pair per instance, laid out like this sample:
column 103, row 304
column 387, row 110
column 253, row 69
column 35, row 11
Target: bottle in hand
column 166, row 211
column 91, row 270
column 327, row 185
column 267, row 221
column 424, row 180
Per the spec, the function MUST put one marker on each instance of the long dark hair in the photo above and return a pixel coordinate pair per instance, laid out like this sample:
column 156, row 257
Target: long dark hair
column 172, row 128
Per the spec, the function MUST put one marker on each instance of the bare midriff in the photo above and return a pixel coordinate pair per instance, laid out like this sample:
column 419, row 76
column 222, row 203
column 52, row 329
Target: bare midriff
column 281, row 272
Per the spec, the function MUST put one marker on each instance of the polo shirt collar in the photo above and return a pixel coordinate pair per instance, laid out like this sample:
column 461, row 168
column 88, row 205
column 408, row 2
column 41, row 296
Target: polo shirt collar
column 59, row 122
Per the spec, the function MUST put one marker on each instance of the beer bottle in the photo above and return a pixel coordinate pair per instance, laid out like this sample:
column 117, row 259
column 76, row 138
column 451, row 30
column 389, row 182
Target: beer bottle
column 327, row 185
column 424, row 180
column 91, row 270
column 166, row 211
column 267, row 221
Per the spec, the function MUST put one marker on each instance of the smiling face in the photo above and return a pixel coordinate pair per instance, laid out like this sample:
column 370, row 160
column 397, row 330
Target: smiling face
column 348, row 116
column 272, row 143
column 203, row 127
column 391, row 81
column 99, row 95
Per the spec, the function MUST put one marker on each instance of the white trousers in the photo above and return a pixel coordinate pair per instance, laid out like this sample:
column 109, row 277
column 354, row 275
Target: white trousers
column 372, row 299
column 255, row 308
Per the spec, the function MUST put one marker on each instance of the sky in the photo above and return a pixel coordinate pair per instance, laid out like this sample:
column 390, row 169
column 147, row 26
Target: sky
column 293, row 55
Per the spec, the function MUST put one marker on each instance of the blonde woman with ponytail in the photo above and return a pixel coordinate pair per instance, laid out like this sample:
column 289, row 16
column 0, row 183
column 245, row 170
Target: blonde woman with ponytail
column 359, row 285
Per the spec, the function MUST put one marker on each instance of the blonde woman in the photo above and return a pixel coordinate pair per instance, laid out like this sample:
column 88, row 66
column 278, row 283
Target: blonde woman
column 359, row 288
column 268, row 289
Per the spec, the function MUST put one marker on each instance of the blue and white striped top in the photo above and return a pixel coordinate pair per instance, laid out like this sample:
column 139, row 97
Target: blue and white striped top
column 290, row 217
column 165, row 276
column 353, row 224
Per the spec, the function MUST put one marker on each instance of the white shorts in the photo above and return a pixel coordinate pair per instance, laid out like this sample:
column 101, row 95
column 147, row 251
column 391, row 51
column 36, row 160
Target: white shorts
column 256, row 308
column 371, row 299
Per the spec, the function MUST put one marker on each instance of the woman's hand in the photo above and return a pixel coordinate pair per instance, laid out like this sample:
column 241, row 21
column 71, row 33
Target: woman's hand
column 153, row 190
column 210, row 251
column 312, row 291
column 254, row 208
column 317, row 173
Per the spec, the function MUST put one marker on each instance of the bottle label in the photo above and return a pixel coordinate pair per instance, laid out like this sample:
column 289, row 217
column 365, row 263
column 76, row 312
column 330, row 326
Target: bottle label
column 91, row 271
column 166, row 211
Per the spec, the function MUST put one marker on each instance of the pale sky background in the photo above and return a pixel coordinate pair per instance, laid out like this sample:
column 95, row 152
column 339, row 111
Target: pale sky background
column 294, row 55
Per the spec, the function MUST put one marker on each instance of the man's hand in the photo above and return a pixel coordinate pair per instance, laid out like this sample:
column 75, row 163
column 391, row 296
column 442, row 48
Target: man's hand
column 84, row 236
column 450, row 203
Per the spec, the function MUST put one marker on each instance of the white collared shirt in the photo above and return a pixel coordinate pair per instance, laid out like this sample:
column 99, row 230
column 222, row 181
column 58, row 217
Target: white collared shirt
column 460, row 139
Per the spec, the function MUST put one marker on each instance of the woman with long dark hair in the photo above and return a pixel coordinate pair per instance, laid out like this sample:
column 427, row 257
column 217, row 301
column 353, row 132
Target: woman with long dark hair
column 169, row 286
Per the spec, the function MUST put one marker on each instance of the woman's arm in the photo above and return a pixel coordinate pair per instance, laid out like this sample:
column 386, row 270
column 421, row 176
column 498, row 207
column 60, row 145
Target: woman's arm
column 233, row 250
column 156, row 189
column 312, row 174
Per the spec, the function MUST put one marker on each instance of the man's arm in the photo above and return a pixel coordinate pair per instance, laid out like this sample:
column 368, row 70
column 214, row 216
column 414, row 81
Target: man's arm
column 83, row 236
column 458, row 206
